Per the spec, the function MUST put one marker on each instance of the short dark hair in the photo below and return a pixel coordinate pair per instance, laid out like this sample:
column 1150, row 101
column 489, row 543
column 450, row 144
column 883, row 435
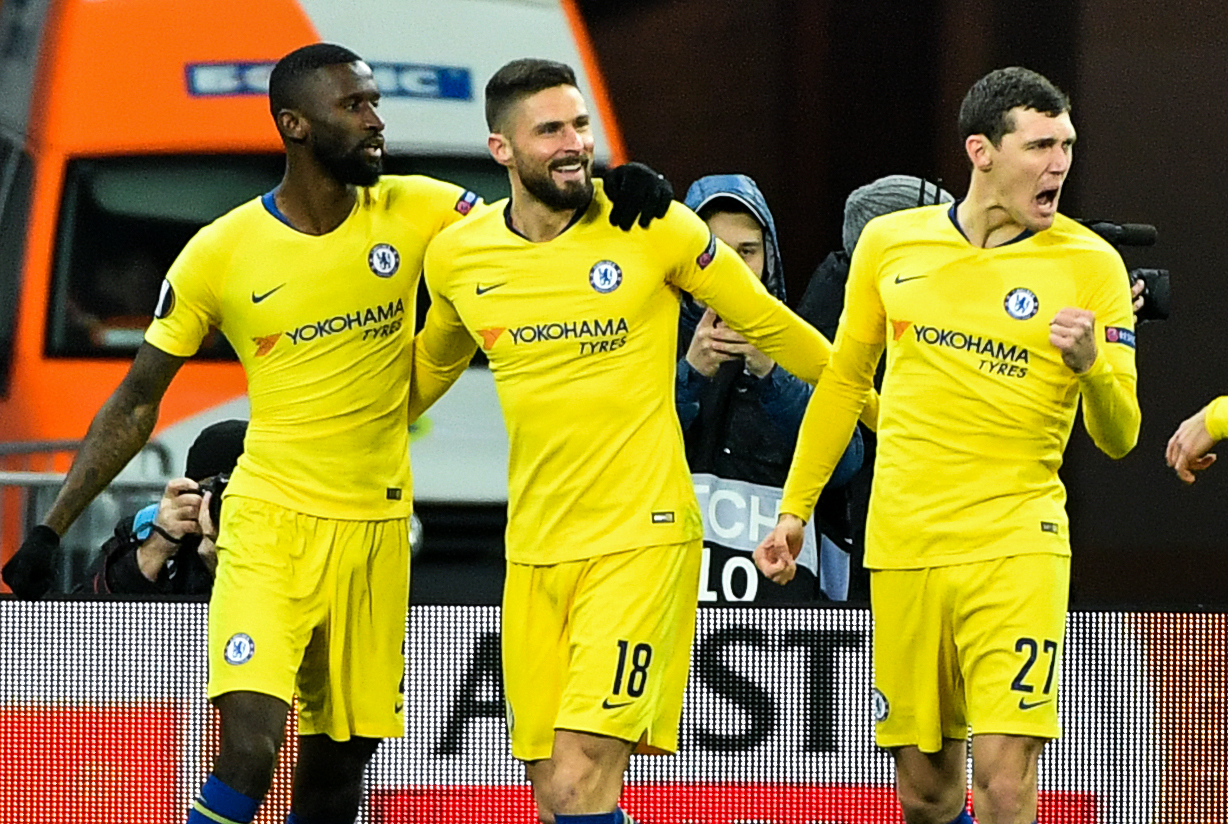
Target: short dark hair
column 986, row 107
column 724, row 204
column 519, row 79
column 286, row 79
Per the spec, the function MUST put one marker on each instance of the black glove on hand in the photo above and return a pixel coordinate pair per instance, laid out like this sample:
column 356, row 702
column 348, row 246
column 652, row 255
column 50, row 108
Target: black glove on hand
column 636, row 191
column 31, row 571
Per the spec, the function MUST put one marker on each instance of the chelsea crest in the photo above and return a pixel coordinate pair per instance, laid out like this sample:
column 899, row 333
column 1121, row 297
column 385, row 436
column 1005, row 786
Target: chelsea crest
column 605, row 276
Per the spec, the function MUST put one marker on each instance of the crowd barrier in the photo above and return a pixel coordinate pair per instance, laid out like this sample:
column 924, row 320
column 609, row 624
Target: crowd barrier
column 103, row 719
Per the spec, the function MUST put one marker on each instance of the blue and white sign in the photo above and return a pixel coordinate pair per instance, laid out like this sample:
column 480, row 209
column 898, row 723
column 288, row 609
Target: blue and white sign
column 415, row 80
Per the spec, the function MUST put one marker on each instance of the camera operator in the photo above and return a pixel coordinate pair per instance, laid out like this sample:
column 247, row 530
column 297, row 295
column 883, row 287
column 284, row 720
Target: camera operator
column 167, row 548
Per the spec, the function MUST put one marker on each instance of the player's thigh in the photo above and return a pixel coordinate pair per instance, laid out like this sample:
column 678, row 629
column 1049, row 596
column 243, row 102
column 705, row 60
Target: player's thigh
column 633, row 625
column 536, row 645
column 264, row 603
column 1011, row 634
column 918, row 689
column 351, row 680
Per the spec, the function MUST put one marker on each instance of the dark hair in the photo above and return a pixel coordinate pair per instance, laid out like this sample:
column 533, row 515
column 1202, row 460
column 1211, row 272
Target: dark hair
column 519, row 79
column 286, row 79
column 986, row 107
column 725, row 203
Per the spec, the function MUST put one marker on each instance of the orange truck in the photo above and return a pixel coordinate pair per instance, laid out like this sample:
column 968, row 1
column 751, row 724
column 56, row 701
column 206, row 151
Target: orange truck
column 126, row 125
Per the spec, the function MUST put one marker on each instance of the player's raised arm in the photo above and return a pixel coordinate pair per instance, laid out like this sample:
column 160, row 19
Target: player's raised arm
column 118, row 431
column 718, row 276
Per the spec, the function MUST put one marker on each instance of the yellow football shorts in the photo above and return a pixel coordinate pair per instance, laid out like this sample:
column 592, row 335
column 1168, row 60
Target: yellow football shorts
column 600, row 646
column 974, row 645
column 313, row 608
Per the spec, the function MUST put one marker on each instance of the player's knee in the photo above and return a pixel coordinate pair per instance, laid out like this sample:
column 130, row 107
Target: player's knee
column 323, row 762
column 1001, row 796
column 581, row 781
column 246, row 761
column 933, row 804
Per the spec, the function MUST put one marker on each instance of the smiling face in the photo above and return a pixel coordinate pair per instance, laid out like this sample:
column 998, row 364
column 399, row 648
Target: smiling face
column 547, row 145
column 1025, row 172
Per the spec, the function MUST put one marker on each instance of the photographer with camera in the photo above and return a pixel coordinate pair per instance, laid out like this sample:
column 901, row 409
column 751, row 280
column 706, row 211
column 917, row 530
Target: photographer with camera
column 167, row 548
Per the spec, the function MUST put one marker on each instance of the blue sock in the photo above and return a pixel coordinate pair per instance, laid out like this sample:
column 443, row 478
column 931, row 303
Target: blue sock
column 613, row 817
column 965, row 817
column 219, row 804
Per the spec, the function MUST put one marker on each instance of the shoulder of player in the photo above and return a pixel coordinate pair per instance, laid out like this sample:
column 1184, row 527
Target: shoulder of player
column 1073, row 234
column 678, row 218
column 1074, row 240
column 905, row 225
column 224, row 234
column 238, row 219
column 478, row 229
column 420, row 191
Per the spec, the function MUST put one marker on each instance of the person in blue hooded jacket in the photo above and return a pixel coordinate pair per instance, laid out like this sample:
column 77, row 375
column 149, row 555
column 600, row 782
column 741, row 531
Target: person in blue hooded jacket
column 740, row 414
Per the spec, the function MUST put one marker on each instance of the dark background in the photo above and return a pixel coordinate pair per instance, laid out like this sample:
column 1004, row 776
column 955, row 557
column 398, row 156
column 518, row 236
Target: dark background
column 813, row 98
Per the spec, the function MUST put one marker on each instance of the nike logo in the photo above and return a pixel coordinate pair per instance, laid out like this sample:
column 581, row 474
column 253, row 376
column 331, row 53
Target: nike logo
column 606, row 705
column 481, row 290
column 257, row 298
column 899, row 279
column 1025, row 704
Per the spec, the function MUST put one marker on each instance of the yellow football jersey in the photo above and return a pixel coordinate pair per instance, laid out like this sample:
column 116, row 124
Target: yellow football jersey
column 581, row 334
column 322, row 325
column 977, row 405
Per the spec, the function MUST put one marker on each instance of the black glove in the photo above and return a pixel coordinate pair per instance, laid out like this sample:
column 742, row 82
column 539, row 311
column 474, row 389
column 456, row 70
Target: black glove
column 31, row 571
column 636, row 191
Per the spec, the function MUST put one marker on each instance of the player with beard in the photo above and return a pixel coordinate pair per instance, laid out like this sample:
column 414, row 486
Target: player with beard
column 314, row 286
column 580, row 326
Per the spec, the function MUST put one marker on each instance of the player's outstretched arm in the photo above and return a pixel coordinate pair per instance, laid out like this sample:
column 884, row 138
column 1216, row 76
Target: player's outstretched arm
column 776, row 556
column 119, row 430
column 1189, row 449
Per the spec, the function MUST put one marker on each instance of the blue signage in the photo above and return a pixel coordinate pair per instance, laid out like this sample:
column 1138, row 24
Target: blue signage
column 413, row 80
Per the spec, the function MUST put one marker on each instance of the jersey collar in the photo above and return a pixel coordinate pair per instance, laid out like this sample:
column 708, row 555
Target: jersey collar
column 575, row 218
column 1024, row 235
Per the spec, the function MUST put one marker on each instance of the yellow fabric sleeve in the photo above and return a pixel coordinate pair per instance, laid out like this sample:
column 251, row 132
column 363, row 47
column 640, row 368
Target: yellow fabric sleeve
column 734, row 293
column 441, row 352
column 1111, row 412
column 1217, row 418
column 828, row 423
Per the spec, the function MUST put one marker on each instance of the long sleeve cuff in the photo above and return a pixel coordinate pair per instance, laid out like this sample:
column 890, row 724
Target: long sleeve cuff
column 1217, row 418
